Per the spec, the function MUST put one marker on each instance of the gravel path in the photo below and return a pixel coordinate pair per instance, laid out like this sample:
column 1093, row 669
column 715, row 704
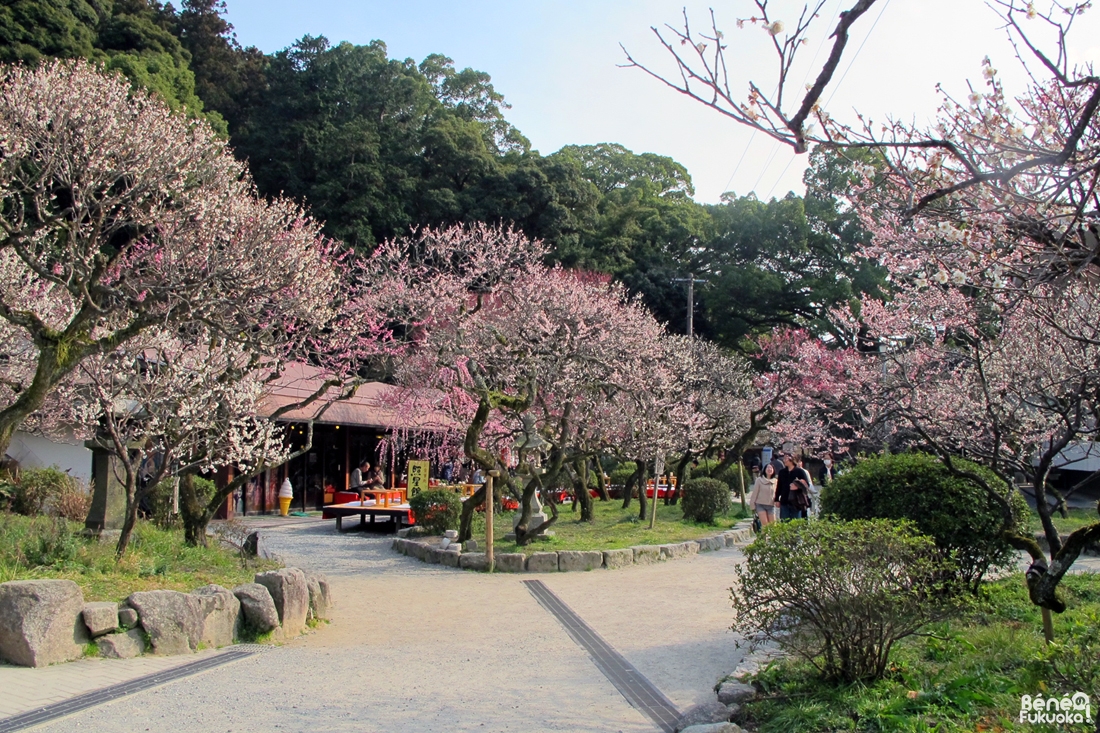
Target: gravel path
column 415, row 647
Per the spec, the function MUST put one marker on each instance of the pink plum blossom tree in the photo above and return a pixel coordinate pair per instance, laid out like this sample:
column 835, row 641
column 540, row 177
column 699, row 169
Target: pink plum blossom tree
column 119, row 217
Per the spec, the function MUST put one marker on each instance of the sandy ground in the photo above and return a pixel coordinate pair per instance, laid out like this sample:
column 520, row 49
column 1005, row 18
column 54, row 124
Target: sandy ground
column 415, row 647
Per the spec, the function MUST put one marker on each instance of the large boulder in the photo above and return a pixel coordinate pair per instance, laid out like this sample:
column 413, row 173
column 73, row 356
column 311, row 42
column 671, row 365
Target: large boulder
column 646, row 554
column 221, row 615
column 320, row 596
column 569, row 560
column 542, row 562
column 100, row 618
column 704, row 714
column 124, row 645
column 257, row 608
column 173, row 620
column 290, row 592
column 613, row 559
column 40, row 622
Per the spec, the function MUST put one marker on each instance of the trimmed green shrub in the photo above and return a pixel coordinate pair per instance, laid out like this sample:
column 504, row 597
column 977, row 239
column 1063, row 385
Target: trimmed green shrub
column 704, row 499
column 622, row 473
column 840, row 594
column 435, row 510
column 961, row 517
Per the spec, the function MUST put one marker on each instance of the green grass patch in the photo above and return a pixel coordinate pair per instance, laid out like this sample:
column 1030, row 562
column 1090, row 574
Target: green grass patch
column 612, row 528
column 43, row 547
column 967, row 674
column 1077, row 518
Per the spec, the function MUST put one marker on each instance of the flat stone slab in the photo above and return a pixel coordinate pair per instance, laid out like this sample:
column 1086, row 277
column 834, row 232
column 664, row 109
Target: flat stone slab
column 510, row 562
column 710, row 544
column 473, row 561
column 646, row 554
column 573, row 560
column 542, row 562
column 614, row 559
column 673, row 551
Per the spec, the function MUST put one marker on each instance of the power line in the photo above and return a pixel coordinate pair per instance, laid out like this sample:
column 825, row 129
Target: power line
column 820, row 45
column 850, row 63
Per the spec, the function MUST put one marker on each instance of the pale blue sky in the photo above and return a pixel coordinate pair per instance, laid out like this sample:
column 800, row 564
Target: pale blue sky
column 555, row 62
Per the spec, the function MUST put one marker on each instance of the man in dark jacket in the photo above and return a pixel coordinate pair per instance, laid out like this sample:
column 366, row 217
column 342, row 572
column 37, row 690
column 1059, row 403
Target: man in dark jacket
column 791, row 490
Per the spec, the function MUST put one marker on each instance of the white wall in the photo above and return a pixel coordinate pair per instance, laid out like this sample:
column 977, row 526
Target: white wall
column 34, row 451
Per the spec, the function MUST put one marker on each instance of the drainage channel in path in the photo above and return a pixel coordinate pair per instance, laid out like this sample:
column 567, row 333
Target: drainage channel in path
column 38, row 716
column 638, row 691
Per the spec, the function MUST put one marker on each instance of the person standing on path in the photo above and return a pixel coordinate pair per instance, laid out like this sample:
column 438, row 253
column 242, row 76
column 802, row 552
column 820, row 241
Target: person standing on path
column 790, row 496
column 762, row 497
column 286, row 495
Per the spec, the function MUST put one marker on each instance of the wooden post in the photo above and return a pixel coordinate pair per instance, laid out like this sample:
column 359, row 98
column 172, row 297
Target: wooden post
column 658, row 469
column 1048, row 626
column 741, row 478
column 489, row 505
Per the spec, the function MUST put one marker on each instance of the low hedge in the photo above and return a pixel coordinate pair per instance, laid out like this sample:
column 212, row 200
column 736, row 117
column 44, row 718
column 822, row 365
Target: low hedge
column 704, row 499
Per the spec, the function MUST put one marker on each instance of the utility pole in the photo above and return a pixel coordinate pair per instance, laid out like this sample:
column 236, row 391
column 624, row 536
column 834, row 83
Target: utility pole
column 690, row 280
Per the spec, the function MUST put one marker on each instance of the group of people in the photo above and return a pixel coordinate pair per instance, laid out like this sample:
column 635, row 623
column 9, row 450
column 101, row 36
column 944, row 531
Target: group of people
column 364, row 477
column 787, row 490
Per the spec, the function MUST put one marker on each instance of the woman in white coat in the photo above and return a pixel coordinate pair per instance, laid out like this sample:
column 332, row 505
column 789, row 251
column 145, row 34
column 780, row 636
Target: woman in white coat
column 762, row 498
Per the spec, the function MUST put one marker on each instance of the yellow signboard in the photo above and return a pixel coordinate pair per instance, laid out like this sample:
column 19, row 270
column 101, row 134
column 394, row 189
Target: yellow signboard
column 418, row 477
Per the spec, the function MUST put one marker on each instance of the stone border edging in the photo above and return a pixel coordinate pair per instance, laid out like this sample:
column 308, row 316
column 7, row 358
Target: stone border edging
column 572, row 560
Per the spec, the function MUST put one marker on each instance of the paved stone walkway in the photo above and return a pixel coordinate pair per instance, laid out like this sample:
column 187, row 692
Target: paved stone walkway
column 416, row 647
column 23, row 689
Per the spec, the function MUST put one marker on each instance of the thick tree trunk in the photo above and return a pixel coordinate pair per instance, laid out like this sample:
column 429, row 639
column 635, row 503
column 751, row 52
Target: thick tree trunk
column 48, row 374
column 631, row 483
column 580, row 489
column 195, row 516
column 681, row 470
column 127, row 525
column 604, row 495
column 465, row 522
